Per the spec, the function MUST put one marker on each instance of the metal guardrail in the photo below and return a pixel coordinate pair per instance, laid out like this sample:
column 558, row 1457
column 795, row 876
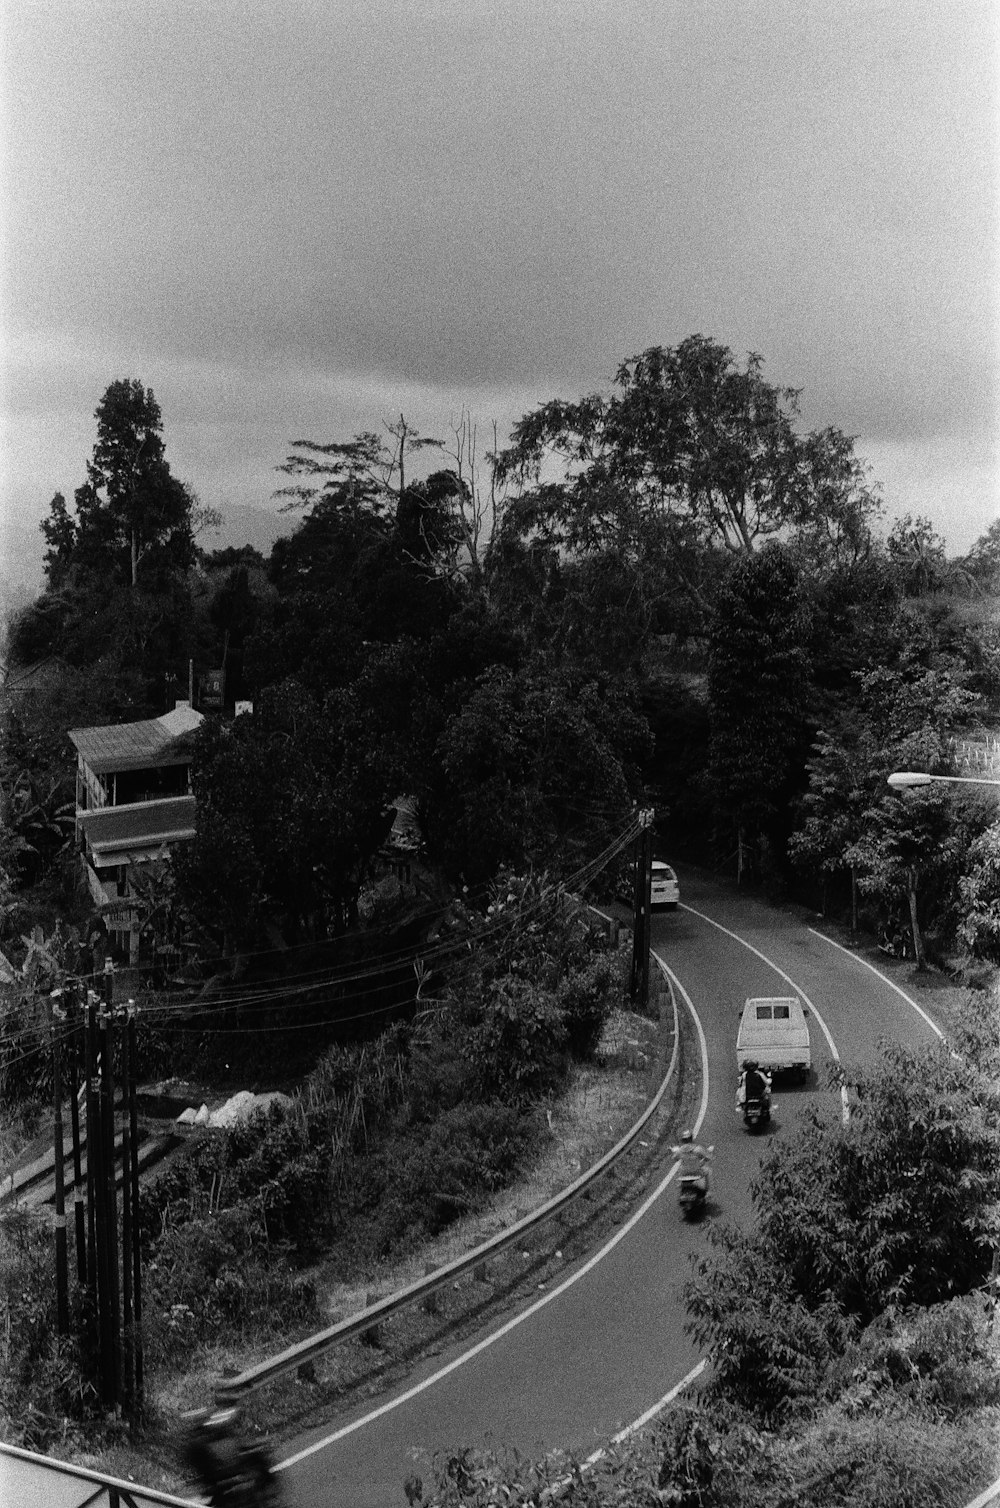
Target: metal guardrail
column 233, row 1389
column 28, row 1480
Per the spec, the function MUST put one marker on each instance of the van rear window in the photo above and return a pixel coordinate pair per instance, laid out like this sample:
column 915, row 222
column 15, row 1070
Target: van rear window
column 763, row 1013
column 781, row 1013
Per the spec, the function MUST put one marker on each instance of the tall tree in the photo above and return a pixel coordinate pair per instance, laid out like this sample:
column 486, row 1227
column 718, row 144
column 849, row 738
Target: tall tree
column 759, row 695
column 691, row 449
column 891, row 717
column 910, row 839
column 131, row 511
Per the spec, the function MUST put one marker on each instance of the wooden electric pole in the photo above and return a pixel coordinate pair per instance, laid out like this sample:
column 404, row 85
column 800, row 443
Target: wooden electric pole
column 639, row 985
column 58, row 1155
column 79, row 1198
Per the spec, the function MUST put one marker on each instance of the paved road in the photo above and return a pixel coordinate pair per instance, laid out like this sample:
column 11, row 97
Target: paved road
column 594, row 1355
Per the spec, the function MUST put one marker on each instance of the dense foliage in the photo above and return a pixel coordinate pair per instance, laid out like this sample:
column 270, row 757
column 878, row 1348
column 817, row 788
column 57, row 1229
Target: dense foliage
column 387, row 1141
column 851, row 1354
column 667, row 594
column 669, row 587
column 896, row 1209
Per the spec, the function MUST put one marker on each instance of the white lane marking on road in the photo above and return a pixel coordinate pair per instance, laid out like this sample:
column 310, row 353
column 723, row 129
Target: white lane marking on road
column 989, row 1496
column 884, row 978
column 658, row 1407
column 651, row 1413
column 518, row 1319
column 835, row 1055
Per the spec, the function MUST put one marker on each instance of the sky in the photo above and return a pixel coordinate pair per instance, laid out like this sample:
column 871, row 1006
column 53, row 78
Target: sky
column 301, row 219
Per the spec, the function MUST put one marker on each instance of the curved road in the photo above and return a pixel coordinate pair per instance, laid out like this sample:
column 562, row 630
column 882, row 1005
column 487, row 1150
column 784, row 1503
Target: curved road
column 600, row 1350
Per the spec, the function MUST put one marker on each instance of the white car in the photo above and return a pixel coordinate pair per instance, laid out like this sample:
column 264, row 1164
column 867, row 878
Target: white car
column 664, row 891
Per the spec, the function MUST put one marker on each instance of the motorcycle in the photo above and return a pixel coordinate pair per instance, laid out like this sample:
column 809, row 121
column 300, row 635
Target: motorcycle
column 895, row 942
column 231, row 1473
column 693, row 1192
column 756, row 1112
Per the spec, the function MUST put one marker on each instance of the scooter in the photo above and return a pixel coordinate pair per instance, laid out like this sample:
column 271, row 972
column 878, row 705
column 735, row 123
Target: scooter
column 756, row 1113
column 693, row 1192
column 896, row 942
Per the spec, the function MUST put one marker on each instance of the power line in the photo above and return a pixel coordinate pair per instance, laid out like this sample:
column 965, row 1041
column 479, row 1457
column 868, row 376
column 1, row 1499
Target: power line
column 287, row 995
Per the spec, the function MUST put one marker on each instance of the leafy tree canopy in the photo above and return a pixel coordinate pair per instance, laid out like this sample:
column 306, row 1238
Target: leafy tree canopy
column 292, row 804
column 132, row 516
column 758, row 688
column 691, row 455
column 897, row 1208
column 983, row 560
column 979, row 927
column 533, row 765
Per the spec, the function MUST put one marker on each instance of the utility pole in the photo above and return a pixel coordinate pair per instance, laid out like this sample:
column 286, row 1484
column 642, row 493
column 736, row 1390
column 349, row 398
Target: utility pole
column 639, row 984
column 79, row 1206
column 111, row 1318
column 128, row 1378
column 58, row 1152
column 131, row 1174
column 93, row 1149
column 131, row 1292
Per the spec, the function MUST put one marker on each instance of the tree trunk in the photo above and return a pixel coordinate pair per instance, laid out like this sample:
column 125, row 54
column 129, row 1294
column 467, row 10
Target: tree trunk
column 918, row 941
column 854, row 899
column 135, row 557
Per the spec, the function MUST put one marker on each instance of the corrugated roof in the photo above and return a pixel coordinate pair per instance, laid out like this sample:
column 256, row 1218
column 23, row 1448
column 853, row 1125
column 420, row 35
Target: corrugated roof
column 183, row 719
column 137, row 746
column 140, row 824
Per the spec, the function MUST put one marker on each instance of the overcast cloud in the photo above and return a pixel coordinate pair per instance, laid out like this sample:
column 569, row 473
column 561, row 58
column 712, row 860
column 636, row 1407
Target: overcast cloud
column 301, row 218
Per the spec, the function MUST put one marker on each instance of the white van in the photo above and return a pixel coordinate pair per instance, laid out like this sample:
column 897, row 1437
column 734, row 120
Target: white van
column 664, row 889
column 774, row 1035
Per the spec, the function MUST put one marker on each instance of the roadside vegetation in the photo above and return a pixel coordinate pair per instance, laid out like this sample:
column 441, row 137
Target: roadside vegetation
column 850, row 1330
column 663, row 595
column 386, row 1142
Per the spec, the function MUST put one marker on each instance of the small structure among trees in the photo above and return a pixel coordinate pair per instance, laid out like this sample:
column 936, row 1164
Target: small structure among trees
column 133, row 802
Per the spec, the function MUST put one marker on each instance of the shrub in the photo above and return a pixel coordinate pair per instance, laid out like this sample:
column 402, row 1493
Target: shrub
column 420, row 1183
column 43, row 1379
column 441, row 1072
column 939, row 1355
column 586, row 998
column 519, row 1048
column 769, row 1350
column 217, row 1273
column 898, row 1207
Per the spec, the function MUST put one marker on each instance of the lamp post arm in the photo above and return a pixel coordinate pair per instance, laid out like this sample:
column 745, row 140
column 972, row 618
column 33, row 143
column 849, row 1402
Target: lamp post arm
column 903, row 780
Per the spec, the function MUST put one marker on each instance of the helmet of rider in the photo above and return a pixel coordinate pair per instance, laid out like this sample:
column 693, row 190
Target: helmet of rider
column 687, row 1136
column 750, row 1063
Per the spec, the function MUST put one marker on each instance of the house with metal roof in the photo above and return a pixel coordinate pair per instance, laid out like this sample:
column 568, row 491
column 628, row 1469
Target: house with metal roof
column 133, row 803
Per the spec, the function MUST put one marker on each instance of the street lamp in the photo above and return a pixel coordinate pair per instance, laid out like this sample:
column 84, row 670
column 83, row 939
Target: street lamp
column 904, row 780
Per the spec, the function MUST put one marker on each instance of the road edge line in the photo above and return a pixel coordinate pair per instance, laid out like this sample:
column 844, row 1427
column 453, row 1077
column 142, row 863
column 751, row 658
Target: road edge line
column 884, row 978
column 547, row 1298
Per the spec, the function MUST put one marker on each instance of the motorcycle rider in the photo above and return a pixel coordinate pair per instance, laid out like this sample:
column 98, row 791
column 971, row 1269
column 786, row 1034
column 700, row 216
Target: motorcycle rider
column 694, row 1159
column 228, row 1471
column 755, row 1084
